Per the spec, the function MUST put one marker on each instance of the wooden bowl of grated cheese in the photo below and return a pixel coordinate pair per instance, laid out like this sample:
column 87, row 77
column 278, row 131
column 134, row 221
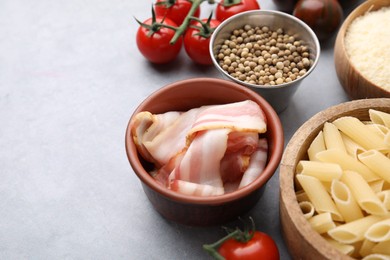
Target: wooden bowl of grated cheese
column 362, row 51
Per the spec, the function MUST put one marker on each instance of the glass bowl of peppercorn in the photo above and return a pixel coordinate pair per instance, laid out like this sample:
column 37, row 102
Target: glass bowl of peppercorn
column 268, row 51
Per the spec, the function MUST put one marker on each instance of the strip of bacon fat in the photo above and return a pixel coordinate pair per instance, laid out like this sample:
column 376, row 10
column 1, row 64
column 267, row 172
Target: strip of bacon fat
column 256, row 163
column 244, row 116
column 201, row 162
column 194, row 189
column 145, row 127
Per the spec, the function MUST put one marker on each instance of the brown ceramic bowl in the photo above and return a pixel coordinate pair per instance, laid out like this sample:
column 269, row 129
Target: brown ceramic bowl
column 351, row 79
column 191, row 210
column 302, row 241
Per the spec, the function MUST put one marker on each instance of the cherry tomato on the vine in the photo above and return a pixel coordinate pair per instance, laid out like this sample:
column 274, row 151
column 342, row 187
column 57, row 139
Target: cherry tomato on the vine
column 155, row 45
column 227, row 8
column 261, row 246
column 196, row 42
column 176, row 10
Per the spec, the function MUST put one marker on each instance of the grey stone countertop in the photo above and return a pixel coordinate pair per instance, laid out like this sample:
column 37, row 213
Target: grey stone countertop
column 70, row 77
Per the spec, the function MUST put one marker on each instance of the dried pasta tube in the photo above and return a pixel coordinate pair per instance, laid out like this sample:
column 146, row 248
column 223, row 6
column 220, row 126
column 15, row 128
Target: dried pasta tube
column 316, row 146
column 322, row 223
column 382, row 248
column 332, row 137
column 353, row 231
column 366, row 248
column 307, row 209
column 360, row 133
column 362, row 192
column 379, row 232
column 379, row 117
column 319, row 196
column 347, row 162
column 376, row 257
column 377, row 185
column 351, row 146
column 343, row 248
column 345, row 202
column 384, row 196
column 321, row 170
column 377, row 162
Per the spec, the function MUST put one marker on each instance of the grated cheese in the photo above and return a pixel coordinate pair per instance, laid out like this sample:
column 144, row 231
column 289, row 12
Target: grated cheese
column 368, row 46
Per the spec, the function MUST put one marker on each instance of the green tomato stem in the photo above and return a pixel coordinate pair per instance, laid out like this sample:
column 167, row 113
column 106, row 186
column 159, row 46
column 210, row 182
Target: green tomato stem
column 183, row 27
column 212, row 249
column 228, row 3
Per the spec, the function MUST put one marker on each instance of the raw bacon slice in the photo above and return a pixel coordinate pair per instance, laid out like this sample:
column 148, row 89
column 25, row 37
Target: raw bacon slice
column 194, row 189
column 145, row 126
column 256, row 164
column 205, row 151
column 201, row 163
column 244, row 116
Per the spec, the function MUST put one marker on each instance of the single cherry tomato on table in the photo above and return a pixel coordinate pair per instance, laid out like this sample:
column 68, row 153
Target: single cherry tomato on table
column 227, row 8
column 176, row 10
column 323, row 16
column 153, row 40
column 197, row 40
column 244, row 245
column 261, row 246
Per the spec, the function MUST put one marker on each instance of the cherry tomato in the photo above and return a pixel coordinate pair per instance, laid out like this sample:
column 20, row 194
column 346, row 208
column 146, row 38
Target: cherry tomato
column 261, row 246
column 197, row 45
column 177, row 10
column 155, row 46
column 224, row 11
column 323, row 16
column 285, row 5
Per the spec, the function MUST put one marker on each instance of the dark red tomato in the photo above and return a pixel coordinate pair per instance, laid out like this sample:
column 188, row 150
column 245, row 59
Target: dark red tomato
column 261, row 246
column 197, row 46
column 177, row 10
column 323, row 16
column 285, row 5
column 156, row 47
column 223, row 12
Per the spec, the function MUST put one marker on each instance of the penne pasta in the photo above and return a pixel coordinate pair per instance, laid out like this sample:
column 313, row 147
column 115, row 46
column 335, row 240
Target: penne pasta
column 366, row 247
column 301, row 196
column 347, row 162
column 362, row 192
column 384, row 196
column 322, row 171
column 307, row 209
column 319, row 196
column 317, row 145
column 322, row 223
column 376, row 257
column 345, row 202
column 379, row 232
column 377, row 162
column 343, row 248
column 353, row 231
column 382, row 248
column 379, row 117
column 360, row 133
column 351, row 146
column 332, row 137
column 377, row 186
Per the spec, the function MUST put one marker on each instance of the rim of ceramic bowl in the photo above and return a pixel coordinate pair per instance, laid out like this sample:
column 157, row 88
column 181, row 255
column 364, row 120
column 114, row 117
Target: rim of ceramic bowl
column 265, row 12
column 271, row 166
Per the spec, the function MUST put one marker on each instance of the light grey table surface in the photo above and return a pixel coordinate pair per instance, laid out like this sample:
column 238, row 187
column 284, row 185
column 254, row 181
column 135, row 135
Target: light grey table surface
column 70, row 77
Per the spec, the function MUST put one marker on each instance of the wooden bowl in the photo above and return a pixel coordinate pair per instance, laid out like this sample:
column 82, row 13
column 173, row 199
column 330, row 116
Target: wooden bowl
column 302, row 241
column 202, row 211
column 353, row 82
